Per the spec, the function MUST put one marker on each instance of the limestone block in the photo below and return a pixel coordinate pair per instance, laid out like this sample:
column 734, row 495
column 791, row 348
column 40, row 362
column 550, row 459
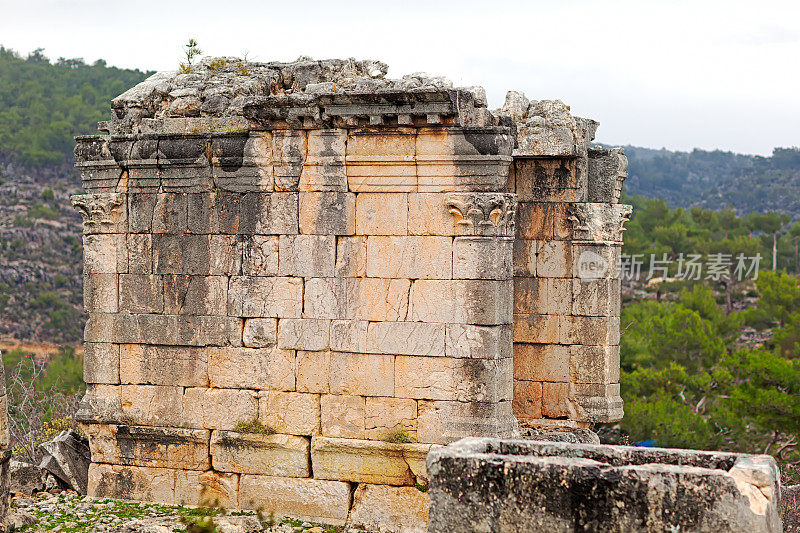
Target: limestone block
column 104, row 254
column 548, row 179
column 293, row 413
column 382, row 214
column 408, row 338
column 477, row 257
column 265, row 297
column 343, row 416
column 428, row 215
column 260, row 332
column 607, row 170
column 206, row 489
column 101, row 363
column 226, row 256
column 595, row 262
column 324, row 168
column 307, row 255
column 530, row 295
column 535, row 221
column 483, row 213
column 313, row 371
column 141, row 293
column 527, row 399
column 373, row 299
column 100, row 293
column 170, row 213
column 377, row 299
column 482, row 342
column 253, row 453
column 594, row 364
column 328, row 213
column 181, row 254
column 252, row 368
column 390, row 418
column 100, row 405
column 596, row 297
column 315, row 500
column 364, row 461
column 242, row 161
column 381, row 162
column 271, row 213
column 559, row 296
column 102, row 212
column 207, row 330
column 553, row 259
column 159, row 447
column 555, row 400
column 351, row 257
column 416, row 257
column 151, row 405
column 195, row 295
column 288, row 153
column 260, row 255
column 100, row 327
column 141, row 211
column 138, row 483
column 349, row 335
column 443, row 422
column 163, row 365
column 524, row 257
column 445, row 378
column 531, row 327
column 541, row 362
column 595, row 331
column 481, row 302
column 140, row 253
column 393, row 508
column 362, row 374
column 595, row 402
column 303, row 334
column 217, row 408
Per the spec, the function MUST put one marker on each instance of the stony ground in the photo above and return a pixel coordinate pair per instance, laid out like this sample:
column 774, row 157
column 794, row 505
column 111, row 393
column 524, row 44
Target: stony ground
column 69, row 512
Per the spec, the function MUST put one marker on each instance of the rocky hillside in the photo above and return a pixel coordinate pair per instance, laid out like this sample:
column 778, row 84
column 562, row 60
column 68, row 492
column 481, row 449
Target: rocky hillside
column 40, row 255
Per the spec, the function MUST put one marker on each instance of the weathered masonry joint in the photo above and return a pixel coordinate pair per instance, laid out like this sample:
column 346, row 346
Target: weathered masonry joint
column 368, row 268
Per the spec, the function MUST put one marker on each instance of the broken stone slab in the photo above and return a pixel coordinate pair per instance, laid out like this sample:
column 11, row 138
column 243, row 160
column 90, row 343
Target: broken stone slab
column 573, row 436
column 26, row 478
column 67, row 457
column 480, row 484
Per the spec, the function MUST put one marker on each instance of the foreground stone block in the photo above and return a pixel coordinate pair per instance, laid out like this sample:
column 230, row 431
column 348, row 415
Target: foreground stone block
column 206, row 489
column 314, row 500
column 160, row 447
column 132, row 483
column 381, row 508
column 495, row 485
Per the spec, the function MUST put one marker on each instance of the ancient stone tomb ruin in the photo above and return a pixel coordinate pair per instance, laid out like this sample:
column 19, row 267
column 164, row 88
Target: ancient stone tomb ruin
column 302, row 277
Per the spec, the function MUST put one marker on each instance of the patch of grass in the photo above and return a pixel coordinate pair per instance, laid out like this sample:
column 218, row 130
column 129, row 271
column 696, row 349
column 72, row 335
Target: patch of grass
column 253, row 426
column 398, row 436
column 217, row 64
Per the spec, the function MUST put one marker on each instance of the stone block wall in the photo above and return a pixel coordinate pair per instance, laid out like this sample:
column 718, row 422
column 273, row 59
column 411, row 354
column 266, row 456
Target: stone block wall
column 293, row 300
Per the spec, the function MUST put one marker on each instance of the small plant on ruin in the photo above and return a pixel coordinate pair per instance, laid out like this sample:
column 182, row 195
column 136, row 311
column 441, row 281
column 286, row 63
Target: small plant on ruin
column 199, row 525
column 398, row 435
column 217, row 64
column 191, row 51
column 243, row 70
column 253, row 426
column 422, row 487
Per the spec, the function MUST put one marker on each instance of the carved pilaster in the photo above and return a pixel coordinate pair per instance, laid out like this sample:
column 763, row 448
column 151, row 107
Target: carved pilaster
column 101, row 212
column 598, row 223
column 485, row 214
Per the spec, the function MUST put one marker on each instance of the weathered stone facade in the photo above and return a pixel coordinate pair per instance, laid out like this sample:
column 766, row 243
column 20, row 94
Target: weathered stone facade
column 370, row 268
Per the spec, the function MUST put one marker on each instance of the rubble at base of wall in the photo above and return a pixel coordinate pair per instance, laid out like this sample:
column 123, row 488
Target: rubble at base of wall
column 483, row 485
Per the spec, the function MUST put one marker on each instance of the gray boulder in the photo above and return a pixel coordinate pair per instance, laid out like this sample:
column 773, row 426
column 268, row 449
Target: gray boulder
column 67, row 457
column 26, row 478
column 493, row 485
column 575, row 436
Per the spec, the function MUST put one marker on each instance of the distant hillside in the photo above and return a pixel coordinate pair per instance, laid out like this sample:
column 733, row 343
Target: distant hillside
column 715, row 180
column 43, row 104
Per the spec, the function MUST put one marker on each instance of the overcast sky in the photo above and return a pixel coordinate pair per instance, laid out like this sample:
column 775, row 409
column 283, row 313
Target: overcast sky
column 675, row 73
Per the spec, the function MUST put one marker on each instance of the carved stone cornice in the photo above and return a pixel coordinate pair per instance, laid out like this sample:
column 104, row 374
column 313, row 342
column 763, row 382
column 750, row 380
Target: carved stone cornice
column 101, row 212
column 483, row 213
